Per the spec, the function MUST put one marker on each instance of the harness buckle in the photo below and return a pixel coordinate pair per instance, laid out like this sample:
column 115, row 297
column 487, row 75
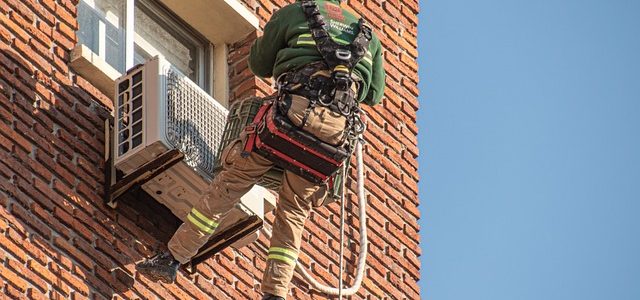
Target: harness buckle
column 343, row 54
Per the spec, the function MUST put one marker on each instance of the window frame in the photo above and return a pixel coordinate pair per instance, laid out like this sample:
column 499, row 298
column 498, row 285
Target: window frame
column 185, row 33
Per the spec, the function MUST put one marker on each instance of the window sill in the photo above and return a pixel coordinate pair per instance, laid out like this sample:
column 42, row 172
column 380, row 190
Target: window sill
column 220, row 21
column 94, row 69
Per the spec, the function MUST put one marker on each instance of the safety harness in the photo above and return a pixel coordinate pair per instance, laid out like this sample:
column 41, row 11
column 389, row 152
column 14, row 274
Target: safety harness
column 329, row 83
column 339, row 91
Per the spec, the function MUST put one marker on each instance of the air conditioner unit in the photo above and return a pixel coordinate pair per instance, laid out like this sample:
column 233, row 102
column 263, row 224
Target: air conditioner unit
column 159, row 111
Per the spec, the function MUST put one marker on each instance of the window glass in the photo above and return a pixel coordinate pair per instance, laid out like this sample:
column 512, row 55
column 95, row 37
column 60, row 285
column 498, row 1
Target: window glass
column 153, row 36
column 102, row 29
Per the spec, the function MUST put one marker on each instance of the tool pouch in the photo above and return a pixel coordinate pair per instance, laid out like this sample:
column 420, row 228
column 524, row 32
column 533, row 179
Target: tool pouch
column 291, row 148
column 320, row 121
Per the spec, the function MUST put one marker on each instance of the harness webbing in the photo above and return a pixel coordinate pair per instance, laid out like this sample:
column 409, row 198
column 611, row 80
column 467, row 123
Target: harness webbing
column 342, row 58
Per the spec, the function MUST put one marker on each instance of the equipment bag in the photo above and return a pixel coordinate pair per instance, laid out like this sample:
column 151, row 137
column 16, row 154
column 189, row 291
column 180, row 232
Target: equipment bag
column 273, row 136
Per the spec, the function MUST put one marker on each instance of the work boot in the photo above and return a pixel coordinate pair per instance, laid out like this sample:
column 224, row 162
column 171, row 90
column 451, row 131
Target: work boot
column 162, row 267
column 271, row 297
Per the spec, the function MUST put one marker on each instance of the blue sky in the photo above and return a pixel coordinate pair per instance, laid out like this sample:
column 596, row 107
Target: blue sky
column 530, row 149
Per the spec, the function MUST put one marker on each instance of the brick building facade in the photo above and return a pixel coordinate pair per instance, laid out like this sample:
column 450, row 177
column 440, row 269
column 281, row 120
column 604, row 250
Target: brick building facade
column 58, row 240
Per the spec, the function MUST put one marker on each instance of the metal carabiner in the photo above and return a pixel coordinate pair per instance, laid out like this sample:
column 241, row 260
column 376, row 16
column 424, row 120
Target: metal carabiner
column 321, row 98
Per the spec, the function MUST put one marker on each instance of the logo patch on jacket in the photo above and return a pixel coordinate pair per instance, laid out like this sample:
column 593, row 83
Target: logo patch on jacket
column 334, row 11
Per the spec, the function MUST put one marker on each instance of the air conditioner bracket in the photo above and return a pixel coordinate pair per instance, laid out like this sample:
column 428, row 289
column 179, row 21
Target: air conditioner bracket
column 117, row 186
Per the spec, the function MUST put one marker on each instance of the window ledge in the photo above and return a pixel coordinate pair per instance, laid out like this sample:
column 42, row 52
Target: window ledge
column 94, row 69
column 220, row 21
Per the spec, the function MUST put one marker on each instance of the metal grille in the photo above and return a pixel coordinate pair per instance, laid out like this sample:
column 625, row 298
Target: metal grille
column 129, row 112
column 195, row 122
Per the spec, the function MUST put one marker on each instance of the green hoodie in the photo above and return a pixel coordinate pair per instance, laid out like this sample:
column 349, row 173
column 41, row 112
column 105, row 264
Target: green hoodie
column 287, row 44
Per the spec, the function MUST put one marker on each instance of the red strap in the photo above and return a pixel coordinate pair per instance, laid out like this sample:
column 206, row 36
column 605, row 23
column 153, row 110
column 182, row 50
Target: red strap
column 290, row 160
column 251, row 129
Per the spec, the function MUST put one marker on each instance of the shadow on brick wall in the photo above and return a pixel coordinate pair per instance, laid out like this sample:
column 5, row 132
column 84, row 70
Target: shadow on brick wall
column 59, row 237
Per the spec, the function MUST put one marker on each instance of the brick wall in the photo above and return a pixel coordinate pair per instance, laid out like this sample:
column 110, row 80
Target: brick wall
column 57, row 239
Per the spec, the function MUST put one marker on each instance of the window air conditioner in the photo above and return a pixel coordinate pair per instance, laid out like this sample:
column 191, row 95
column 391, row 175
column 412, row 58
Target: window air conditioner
column 160, row 111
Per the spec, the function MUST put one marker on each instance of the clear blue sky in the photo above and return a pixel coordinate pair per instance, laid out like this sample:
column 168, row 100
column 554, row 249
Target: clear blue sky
column 530, row 149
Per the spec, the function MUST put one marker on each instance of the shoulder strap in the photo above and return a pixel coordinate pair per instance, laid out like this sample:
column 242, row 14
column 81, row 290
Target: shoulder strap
column 340, row 58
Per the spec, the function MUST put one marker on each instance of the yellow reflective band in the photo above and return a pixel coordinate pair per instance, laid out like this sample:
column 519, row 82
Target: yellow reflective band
column 341, row 41
column 282, row 258
column 307, row 43
column 289, row 252
column 203, row 228
column 204, row 219
column 366, row 59
column 308, row 35
column 341, row 68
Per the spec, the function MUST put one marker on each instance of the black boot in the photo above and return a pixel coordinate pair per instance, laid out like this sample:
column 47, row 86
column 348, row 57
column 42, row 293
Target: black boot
column 271, row 297
column 162, row 267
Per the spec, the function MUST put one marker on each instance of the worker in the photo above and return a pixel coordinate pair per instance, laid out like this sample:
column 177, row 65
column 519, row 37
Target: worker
column 289, row 52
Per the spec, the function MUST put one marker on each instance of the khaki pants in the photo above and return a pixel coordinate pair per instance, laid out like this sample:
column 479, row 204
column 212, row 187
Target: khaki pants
column 239, row 174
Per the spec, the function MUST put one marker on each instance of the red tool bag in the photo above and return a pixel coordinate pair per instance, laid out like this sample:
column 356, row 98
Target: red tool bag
column 273, row 136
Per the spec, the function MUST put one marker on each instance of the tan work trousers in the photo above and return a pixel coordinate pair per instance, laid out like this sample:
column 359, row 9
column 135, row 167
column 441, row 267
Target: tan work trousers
column 296, row 198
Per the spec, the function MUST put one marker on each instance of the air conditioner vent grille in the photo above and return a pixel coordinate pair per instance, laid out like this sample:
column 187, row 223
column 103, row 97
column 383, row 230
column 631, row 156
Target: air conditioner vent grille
column 130, row 113
column 195, row 122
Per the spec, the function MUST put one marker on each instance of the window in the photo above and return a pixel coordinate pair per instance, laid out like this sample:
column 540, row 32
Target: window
column 102, row 29
column 157, row 31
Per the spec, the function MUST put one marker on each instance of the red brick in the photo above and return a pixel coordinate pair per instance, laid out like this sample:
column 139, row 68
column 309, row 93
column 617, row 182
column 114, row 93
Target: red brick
column 14, row 279
column 94, row 92
column 13, row 293
column 5, row 35
column 26, row 51
column 100, row 282
column 22, row 9
column 49, row 4
column 28, row 274
column 66, row 31
column 11, row 246
column 189, row 286
column 70, row 6
column 72, row 281
column 4, row 7
column 13, row 135
column 63, row 40
column 88, row 221
column 74, row 252
column 36, row 295
column 37, row 224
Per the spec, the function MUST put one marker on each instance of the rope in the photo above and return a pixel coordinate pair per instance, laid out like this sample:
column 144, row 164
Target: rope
column 344, row 177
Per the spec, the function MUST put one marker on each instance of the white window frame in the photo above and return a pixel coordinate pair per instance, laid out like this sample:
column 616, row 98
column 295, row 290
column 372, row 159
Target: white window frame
column 221, row 22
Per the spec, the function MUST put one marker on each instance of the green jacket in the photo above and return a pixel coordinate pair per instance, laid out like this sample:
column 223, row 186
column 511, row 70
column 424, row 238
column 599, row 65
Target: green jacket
column 287, row 44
